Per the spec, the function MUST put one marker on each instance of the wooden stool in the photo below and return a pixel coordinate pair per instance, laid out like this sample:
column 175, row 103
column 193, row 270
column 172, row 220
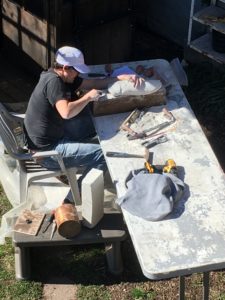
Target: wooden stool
column 110, row 231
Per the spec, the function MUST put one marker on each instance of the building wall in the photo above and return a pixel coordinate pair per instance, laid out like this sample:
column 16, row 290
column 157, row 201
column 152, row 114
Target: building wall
column 168, row 18
column 101, row 29
column 106, row 30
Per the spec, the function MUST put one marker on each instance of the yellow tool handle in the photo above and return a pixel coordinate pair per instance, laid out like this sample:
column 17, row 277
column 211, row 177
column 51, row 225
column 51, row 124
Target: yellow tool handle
column 149, row 167
column 170, row 164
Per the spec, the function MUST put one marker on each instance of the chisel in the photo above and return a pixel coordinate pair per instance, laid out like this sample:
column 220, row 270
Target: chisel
column 49, row 221
column 53, row 229
column 153, row 142
column 123, row 155
column 146, row 154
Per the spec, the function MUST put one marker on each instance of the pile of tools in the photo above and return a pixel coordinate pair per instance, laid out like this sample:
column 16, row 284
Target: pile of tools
column 146, row 133
column 151, row 137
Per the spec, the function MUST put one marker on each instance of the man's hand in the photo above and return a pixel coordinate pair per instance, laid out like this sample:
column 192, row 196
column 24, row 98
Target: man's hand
column 131, row 77
column 94, row 94
column 69, row 109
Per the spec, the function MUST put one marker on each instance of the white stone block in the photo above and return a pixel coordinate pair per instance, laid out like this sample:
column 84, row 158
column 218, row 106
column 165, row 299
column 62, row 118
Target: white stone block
column 92, row 192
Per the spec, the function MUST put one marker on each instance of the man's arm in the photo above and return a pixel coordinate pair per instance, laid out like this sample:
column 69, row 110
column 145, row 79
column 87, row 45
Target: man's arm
column 68, row 109
column 101, row 84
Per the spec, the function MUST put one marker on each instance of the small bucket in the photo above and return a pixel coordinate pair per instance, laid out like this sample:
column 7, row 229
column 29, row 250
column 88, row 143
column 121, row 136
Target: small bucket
column 67, row 220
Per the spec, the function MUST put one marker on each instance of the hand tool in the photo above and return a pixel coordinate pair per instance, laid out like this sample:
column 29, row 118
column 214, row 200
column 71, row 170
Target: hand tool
column 53, row 229
column 128, row 155
column 133, row 135
column 170, row 167
column 156, row 141
column 149, row 167
column 147, row 163
column 122, row 155
column 101, row 95
column 143, row 134
column 49, row 221
column 130, row 120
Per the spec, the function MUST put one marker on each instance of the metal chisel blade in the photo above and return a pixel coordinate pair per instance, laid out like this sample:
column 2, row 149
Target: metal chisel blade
column 122, row 155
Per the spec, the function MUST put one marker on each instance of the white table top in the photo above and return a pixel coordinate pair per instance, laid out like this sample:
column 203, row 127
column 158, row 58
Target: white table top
column 192, row 238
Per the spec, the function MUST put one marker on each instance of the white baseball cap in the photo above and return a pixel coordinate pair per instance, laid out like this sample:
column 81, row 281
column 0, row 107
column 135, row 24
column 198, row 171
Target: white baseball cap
column 73, row 57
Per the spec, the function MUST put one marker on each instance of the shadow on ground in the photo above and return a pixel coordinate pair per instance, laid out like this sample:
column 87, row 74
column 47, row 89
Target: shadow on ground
column 84, row 265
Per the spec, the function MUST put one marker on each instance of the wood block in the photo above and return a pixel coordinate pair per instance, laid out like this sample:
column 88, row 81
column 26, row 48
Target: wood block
column 29, row 222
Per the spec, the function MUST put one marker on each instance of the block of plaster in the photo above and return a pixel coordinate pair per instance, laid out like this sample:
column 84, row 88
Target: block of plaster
column 92, row 192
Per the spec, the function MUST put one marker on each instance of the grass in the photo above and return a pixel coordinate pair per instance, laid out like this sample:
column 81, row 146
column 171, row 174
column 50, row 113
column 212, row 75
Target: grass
column 86, row 267
column 140, row 294
column 11, row 289
column 93, row 292
column 4, row 203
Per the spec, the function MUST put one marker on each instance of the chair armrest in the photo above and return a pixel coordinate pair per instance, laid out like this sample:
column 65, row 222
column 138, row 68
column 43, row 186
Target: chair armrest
column 43, row 154
column 40, row 154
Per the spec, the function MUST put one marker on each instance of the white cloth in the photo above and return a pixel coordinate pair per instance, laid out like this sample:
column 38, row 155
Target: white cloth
column 126, row 87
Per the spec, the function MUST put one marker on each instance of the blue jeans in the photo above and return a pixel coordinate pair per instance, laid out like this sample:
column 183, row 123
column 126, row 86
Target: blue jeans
column 75, row 150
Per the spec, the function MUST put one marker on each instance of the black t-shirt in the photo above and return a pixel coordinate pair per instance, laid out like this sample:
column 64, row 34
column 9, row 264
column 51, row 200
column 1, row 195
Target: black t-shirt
column 43, row 124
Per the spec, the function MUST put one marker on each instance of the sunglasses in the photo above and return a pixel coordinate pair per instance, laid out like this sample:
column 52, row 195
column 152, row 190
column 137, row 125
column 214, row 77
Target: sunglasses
column 71, row 68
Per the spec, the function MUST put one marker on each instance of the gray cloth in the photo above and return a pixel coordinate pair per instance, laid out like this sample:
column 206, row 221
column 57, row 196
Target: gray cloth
column 152, row 196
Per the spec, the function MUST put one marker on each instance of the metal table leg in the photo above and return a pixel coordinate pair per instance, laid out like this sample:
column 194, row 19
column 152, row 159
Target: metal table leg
column 182, row 288
column 114, row 259
column 205, row 285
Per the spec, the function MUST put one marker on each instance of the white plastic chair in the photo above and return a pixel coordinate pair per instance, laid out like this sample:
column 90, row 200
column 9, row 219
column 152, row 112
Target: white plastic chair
column 11, row 132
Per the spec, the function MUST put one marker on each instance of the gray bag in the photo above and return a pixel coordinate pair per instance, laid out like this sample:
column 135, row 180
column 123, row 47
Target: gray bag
column 152, row 196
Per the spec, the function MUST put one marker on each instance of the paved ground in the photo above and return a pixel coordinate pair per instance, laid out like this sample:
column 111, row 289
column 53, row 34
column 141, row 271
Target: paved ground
column 55, row 290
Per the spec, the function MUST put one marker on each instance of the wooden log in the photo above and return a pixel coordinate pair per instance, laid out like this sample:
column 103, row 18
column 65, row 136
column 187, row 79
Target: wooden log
column 67, row 220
